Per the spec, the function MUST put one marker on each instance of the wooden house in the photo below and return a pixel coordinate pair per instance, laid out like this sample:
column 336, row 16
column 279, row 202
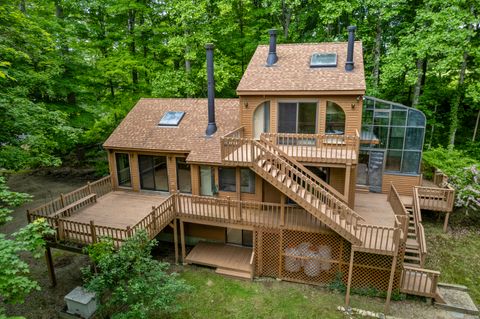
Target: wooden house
column 302, row 178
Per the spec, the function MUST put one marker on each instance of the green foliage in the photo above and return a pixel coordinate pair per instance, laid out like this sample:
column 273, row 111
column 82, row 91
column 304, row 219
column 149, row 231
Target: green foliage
column 337, row 283
column 130, row 283
column 9, row 199
column 462, row 170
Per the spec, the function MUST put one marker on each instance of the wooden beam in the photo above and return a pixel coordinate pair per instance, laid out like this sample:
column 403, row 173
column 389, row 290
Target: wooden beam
column 346, row 191
column 182, row 240
column 349, row 280
column 50, row 268
column 445, row 223
column 390, row 284
column 175, row 239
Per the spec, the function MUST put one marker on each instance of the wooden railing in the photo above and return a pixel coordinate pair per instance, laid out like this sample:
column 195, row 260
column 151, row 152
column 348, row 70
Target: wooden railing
column 378, row 239
column 418, row 281
column 330, row 148
column 158, row 218
column 399, row 210
column 272, row 148
column 439, row 178
column 436, row 199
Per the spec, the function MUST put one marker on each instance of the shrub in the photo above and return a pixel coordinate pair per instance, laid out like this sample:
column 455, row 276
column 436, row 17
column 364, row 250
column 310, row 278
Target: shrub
column 130, row 283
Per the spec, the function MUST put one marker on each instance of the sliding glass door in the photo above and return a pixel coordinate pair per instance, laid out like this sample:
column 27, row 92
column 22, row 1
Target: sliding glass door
column 297, row 117
column 123, row 169
column 153, row 172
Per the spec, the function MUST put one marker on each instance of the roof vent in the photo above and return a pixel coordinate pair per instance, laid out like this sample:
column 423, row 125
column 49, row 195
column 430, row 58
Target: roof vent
column 171, row 118
column 349, row 65
column 320, row 60
column 272, row 51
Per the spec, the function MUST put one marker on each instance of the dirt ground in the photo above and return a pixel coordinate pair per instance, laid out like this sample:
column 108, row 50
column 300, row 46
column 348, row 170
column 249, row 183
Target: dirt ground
column 48, row 301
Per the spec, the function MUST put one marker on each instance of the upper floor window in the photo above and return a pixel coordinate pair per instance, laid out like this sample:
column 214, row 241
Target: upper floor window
column 227, row 179
column 247, row 181
column 297, row 117
column 335, row 119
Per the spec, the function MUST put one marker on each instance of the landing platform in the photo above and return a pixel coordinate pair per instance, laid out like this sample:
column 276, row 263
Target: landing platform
column 374, row 208
column 224, row 256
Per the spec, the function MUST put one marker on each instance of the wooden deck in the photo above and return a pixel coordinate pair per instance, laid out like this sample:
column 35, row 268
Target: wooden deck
column 119, row 209
column 375, row 208
column 223, row 256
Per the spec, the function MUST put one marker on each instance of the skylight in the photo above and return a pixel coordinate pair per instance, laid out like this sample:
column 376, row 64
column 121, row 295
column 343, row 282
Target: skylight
column 319, row 60
column 171, row 119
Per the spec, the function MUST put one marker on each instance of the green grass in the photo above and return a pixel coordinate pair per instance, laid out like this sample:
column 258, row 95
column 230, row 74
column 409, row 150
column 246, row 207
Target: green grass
column 215, row 296
column 455, row 254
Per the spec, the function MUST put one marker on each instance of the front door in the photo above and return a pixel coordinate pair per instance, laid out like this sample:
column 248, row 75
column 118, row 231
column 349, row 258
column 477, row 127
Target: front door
column 375, row 170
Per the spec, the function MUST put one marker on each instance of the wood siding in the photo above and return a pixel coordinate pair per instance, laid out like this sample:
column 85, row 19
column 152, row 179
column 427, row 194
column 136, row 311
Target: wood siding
column 353, row 115
column 205, row 232
column 403, row 183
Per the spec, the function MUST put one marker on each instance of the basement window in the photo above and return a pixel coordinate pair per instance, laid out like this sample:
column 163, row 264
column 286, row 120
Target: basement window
column 319, row 60
column 171, row 119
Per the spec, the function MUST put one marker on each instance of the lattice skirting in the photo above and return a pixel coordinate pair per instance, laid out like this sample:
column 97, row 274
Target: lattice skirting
column 316, row 258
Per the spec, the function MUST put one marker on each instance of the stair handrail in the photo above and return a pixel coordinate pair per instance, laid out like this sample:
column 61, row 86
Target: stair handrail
column 303, row 169
column 344, row 207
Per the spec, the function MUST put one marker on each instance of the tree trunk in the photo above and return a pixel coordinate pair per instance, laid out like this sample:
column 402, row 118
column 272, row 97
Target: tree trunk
column 22, row 6
column 286, row 17
column 131, row 29
column 456, row 102
column 377, row 52
column 433, row 128
column 476, row 126
column 418, row 84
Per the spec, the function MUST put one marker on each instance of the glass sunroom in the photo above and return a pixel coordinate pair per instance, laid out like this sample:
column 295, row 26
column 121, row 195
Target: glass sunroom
column 391, row 141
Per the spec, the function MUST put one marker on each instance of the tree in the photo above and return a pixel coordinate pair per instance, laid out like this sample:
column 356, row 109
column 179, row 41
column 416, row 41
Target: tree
column 15, row 283
column 130, row 283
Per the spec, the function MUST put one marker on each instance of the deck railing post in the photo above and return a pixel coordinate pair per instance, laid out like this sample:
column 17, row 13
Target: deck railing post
column 129, row 232
column 62, row 199
column 229, row 210
column 89, row 187
column 92, row 230
column 60, row 228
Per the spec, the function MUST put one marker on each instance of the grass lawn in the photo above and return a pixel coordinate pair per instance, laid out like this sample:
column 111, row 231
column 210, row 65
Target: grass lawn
column 455, row 254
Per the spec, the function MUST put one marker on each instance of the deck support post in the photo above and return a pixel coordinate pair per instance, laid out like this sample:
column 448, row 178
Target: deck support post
column 175, row 239
column 349, row 280
column 346, row 191
column 445, row 223
column 182, row 240
column 390, row 283
column 50, row 267
column 282, row 209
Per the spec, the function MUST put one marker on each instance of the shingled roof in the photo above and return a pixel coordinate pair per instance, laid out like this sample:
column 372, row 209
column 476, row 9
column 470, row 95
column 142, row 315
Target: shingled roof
column 292, row 72
column 140, row 130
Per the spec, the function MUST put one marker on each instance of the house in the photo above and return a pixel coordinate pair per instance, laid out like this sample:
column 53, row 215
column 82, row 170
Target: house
column 302, row 178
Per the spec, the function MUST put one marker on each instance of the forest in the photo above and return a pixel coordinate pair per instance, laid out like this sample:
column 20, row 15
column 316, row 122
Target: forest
column 70, row 70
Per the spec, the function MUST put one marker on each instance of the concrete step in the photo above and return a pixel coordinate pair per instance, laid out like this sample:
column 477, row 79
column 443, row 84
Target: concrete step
column 455, row 298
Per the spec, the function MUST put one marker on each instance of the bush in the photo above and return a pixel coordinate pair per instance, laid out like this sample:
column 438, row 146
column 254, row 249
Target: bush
column 130, row 283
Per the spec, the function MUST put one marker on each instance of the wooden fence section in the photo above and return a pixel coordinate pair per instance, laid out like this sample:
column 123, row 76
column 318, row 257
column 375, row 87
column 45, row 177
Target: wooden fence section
column 401, row 214
column 158, row 219
column 378, row 239
column 420, row 282
column 436, row 199
column 329, row 148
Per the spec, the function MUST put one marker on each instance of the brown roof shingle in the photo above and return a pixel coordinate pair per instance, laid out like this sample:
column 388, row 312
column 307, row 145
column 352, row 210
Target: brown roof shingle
column 140, row 131
column 292, row 72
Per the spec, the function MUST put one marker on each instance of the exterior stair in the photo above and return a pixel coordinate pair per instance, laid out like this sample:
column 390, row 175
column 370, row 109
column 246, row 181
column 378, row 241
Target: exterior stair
column 302, row 186
column 412, row 256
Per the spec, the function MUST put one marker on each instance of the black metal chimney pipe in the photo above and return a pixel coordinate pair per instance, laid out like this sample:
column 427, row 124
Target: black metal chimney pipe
column 212, row 126
column 272, row 52
column 349, row 65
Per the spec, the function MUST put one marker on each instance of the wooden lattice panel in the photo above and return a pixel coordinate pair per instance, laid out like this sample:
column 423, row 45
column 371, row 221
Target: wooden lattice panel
column 311, row 257
column 267, row 246
column 371, row 271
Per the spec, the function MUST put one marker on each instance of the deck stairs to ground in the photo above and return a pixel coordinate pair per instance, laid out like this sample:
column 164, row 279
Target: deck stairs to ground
column 412, row 256
column 306, row 189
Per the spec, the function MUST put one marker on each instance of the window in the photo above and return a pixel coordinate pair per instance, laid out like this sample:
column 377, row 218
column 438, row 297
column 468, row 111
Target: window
column 184, row 181
column 335, row 119
column 247, row 181
column 207, row 182
column 323, row 60
column 171, row 119
column 123, row 169
column 297, row 117
column 227, row 179
column 153, row 172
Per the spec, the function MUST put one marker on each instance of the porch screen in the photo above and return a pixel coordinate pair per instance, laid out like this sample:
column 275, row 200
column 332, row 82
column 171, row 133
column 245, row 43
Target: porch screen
column 123, row 169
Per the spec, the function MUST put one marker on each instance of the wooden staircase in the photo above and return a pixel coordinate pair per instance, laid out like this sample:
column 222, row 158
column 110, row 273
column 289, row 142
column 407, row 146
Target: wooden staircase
column 412, row 256
column 302, row 186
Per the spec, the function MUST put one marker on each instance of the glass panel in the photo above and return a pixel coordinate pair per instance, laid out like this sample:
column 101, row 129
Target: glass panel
column 234, row 236
column 247, row 181
column 367, row 117
column 123, row 169
column 414, row 138
column 184, row 180
column 161, row 174
column 396, row 137
column 171, row 118
column 415, row 118
column 399, row 118
column 206, row 181
column 266, row 113
column 369, row 104
column 287, row 117
column 227, row 179
column 394, row 158
column 323, row 59
column 307, row 115
column 381, row 117
column 335, row 119
column 247, row 238
column 381, row 133
column 411, row 162
column 381, row 105
column 145, row 165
